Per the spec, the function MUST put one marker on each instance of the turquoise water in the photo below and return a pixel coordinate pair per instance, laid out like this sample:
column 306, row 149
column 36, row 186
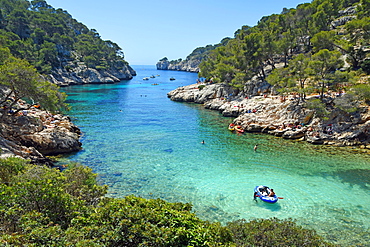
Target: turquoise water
column 142, row 143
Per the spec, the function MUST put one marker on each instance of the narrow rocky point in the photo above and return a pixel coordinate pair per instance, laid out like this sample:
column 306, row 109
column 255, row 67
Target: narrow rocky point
column 80, row 74
column 188, row 65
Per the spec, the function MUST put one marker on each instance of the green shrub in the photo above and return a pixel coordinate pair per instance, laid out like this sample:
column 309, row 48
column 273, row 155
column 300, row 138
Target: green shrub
column 365, row 65
column 347, row 103
column 361, row 91
column 81, row 184
column 59, row 196
column 200, row 87
column 273, row 232
column 11, row 167
column 134, row 221
column 319, row 107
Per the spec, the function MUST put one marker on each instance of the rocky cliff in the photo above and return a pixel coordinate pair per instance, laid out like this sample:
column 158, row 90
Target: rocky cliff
column 192, row 61
column 80, row 74
column 280, row 116
column 189, row 65
column 34, row 133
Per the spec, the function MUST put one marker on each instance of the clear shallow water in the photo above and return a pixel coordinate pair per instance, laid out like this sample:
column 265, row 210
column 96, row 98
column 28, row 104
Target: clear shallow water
column 142, row 143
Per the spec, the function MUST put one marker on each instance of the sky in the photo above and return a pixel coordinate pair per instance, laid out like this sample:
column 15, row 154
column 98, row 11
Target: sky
column 149, row 30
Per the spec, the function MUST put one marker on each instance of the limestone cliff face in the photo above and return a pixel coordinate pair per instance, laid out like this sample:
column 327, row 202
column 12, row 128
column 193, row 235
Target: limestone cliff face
column 275, row 115
column 35, row 133
column 80, row 74
column 189, row 65
column 345, row 16
column 163, row 64
column 192, row 61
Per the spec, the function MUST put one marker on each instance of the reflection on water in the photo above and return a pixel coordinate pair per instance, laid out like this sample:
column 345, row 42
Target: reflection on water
column 141, row 143
column 354, row 177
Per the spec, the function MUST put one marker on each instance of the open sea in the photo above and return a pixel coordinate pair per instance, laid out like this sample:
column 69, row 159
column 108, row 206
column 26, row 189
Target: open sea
column 142, row 143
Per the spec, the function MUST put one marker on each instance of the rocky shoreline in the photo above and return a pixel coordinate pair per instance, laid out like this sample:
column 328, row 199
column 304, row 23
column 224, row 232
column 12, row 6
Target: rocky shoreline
column 285, row 117
column 34, row 134
column 188, row 65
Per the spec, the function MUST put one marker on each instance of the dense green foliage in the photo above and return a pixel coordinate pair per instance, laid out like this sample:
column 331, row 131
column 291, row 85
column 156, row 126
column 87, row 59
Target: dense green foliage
column 37, row 39
column 20, row 80
column 302, row 47
column 272, row 232
column 42, row 206
column 48, row 38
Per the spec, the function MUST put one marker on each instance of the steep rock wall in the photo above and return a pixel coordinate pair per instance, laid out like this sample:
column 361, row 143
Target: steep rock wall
column 80, row 74
column 34, row 133
column 189, row 65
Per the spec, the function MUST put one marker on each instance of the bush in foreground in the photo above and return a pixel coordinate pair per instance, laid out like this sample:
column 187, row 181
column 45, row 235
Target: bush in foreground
column 42, row 206
column 273, row 232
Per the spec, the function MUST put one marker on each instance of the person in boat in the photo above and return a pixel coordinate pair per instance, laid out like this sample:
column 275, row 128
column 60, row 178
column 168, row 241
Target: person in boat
column 272, row 193
column 264, row 191
column 255, row 196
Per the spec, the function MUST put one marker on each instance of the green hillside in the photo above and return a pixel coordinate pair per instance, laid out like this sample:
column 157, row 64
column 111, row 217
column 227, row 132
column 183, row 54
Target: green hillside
column 324, row 37
column 51, row 40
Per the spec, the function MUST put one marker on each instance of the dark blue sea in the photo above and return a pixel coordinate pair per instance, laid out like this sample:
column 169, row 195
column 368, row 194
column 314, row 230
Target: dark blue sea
column 142, row 143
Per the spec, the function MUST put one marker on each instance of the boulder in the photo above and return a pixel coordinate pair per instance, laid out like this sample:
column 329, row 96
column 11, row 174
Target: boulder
column 196, row 94
column 52, row 141
column 341, row 21
column 12, row 149
column 348, row 11
column 254, row 128
column 293, row 134
column 314, row 140
column 36, row 133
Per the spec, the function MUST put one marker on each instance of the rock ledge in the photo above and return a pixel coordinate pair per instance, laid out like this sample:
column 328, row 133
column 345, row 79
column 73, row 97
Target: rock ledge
column 275, row 115
column 33, row 134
